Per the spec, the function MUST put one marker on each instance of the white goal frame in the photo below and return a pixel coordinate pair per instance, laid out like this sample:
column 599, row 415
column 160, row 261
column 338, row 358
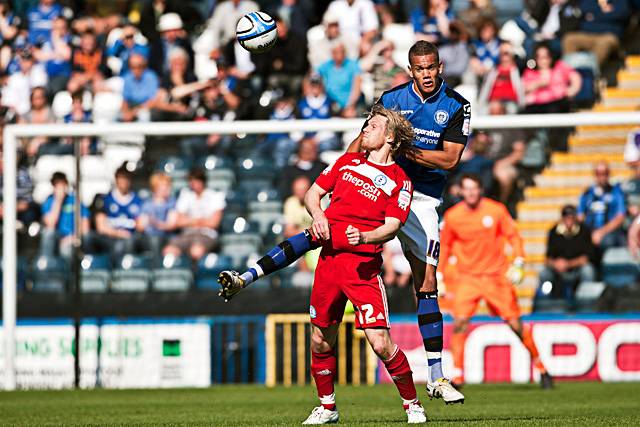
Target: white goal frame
column 13, row 132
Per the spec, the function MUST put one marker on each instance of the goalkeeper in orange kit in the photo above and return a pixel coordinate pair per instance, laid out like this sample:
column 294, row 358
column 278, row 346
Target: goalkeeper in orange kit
column 475, row 232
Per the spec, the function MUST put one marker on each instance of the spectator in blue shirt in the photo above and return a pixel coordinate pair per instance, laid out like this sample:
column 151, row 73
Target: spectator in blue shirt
column 601, row 28
column 55, row 53
column 40, row 19
column 129, row 43
column 342, row 79
column 116, row 219
column 431, row 21
column 9, row 24
column 139, row 90
column 315, row 104
column 58, row 219
column 157, row 218
column 486, row 49
column 602, row 209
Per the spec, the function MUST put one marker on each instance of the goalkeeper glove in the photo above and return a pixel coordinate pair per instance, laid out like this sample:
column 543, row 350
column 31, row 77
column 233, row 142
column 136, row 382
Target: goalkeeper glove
column 515, row 274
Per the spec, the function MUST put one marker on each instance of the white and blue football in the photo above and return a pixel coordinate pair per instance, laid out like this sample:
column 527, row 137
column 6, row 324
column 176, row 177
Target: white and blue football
column 256, row 32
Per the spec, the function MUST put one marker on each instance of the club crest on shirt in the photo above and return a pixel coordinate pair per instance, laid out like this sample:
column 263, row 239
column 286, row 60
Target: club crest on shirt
column 441, row 117
column 487, row 221
column 380, row 180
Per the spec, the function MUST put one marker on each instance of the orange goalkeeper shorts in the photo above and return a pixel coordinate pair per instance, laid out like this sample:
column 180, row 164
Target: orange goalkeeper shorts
column 496, row 290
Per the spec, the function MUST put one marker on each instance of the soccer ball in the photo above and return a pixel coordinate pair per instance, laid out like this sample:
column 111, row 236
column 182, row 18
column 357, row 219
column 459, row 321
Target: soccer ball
column 256, row 32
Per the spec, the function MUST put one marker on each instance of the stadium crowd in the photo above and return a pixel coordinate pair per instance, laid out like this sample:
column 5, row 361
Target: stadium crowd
column 164, row 60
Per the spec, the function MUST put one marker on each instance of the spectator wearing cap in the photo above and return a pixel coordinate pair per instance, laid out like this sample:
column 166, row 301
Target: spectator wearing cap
column 172, row 35
column 55, row 53
column 58, row 219
column 140, row 89
column 357, row 19
column 16, row 93
column 315, row 105
column 116, row 218
column 320, row 50
column 40, row 20
column 343, row 81
column 569, row 256
column 431, row 21
column 152, row 11
column 285, row 64
column 602, row 208
column 602, row 26
column 130, row 42
column 87, row 65
column 199, row 213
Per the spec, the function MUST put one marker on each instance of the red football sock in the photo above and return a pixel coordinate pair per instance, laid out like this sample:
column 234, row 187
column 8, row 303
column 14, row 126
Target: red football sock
column 400, row 371
column 323, row 369
column 527, row 340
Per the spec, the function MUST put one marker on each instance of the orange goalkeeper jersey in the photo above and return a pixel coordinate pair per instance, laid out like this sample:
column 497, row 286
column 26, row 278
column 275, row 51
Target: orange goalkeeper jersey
column 477, row 238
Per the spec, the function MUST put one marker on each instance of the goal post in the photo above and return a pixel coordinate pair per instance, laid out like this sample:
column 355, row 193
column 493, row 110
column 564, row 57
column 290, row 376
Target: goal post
column 13, row 132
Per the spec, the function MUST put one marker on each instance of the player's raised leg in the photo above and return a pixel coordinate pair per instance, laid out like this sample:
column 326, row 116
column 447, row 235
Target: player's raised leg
column 525, row 335
column 399, row 370
column 279, row 257
column 323, row 369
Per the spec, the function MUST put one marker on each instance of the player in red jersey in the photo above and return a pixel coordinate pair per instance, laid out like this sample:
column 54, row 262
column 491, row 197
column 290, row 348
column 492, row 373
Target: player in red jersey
column 370, row 201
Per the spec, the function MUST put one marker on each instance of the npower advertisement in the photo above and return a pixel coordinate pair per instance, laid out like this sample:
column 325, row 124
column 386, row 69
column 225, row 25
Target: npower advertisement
column 571, row 348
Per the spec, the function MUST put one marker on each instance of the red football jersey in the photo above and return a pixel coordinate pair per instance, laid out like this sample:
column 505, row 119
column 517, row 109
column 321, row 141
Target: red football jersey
column 364, row 194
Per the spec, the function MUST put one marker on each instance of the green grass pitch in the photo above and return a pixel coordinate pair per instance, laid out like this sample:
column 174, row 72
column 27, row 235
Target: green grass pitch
column 576, row 404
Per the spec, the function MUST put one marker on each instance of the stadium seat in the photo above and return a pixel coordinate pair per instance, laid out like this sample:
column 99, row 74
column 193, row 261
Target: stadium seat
column 22, row 270
column 95, row 273
column 173, row 274
column 61, row 105
column 265, row 200
column 208, row 269
column 106, row 107
column 49, row 274
column 241, row 241
column 587, row 295
column 236, row 203
column 131, row 274
column 174, row 166
column 619, row 268
column 266, row 220
column 255, row 169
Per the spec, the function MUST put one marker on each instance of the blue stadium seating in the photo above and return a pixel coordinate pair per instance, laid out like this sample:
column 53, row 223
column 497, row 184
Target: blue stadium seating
column 619, row 268
column 49, row 274
column 131, row 274
column 95, row 273
column 208, row 269
column 172, row 274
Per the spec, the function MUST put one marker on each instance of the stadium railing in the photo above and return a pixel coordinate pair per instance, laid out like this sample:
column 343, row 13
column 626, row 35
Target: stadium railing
column 137, row 130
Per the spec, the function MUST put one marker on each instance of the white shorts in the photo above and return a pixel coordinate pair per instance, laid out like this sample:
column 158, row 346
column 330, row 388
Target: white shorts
column 420, row 235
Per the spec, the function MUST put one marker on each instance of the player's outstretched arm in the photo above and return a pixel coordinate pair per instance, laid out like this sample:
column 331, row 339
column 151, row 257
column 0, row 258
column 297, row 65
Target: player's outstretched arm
column 384, row 233
column 354, row 147
column 447, row 158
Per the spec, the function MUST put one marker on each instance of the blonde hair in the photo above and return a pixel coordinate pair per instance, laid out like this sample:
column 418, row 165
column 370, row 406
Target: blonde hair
column 399, row 127
column 157, row 179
